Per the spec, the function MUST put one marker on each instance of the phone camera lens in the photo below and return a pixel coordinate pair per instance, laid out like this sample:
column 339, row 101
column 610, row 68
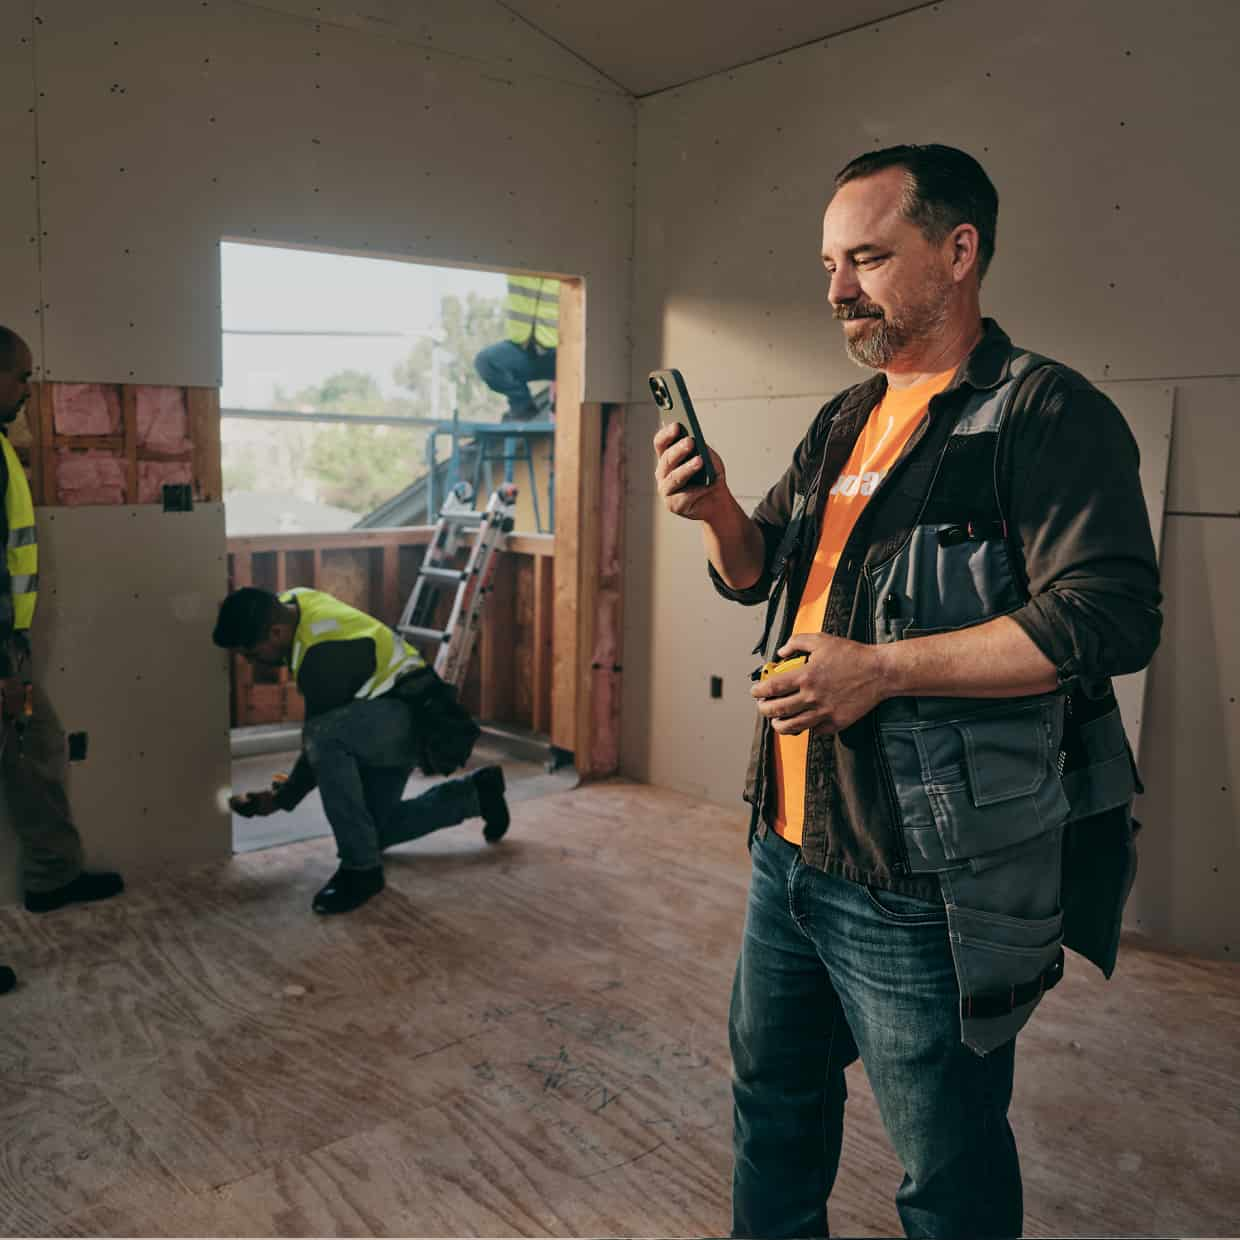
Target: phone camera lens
column 659, row 388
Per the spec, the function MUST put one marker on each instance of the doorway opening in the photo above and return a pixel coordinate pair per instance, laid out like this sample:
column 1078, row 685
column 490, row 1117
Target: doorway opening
column 354, row 402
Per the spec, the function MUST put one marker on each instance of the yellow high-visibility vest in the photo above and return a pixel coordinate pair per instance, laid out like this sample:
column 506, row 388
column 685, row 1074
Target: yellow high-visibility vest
column 327, row 619
column 534, row 311
column 22, row 553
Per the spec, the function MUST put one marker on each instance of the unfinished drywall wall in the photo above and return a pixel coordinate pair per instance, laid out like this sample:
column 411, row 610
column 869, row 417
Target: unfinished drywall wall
column 163, row 128
column 19, row 208
column 126, row 606
column 140, row 134
column 1100, row 123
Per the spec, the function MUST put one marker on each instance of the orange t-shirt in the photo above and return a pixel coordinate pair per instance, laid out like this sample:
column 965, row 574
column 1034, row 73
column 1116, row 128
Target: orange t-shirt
column 890, row 425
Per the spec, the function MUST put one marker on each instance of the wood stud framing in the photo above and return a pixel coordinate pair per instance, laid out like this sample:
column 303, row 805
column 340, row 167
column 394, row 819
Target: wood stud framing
column 375, row 570
column 46, row 447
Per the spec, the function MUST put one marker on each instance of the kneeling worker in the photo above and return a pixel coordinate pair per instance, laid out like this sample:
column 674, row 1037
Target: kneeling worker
column 374, row 712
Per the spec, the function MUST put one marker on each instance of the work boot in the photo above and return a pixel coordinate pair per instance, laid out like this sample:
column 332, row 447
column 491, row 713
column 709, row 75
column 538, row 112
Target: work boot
column 8, row 979
column 348, row 889
column 489, row 781
column 82, row 890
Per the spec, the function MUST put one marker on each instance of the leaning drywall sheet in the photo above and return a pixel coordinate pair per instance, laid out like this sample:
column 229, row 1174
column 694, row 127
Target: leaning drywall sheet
column 232, row 121
column 1149, row 410
column 1093, row 265
column 128, row 597
column 1204, row 477
column 1190, row 846
column 19, row 216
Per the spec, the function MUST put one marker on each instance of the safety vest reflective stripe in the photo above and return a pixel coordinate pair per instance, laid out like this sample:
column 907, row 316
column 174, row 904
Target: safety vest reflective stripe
column 324, row 618
column 533, row 310
column 22, row 550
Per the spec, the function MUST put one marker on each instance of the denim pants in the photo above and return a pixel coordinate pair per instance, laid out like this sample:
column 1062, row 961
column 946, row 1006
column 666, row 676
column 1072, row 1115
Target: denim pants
column 830, row 969
column 34, row 767
column 362, row 755
column 509, row 369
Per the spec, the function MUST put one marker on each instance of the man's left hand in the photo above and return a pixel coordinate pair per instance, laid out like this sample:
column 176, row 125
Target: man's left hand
column 841, row 682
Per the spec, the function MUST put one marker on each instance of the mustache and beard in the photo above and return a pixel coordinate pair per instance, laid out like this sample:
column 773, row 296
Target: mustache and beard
column 887, row 336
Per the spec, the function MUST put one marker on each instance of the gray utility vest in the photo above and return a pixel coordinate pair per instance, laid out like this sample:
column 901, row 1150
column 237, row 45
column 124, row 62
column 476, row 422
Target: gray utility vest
column 1019, row 806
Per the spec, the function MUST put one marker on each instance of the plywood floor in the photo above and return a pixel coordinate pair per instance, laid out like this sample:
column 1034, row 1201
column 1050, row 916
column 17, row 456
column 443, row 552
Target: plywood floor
column 522, row 1040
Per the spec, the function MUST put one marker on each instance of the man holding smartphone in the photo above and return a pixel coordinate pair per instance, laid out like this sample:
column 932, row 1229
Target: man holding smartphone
column 960, row 548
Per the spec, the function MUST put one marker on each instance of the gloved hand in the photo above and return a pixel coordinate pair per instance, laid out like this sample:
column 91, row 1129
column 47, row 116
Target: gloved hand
column 254, row 804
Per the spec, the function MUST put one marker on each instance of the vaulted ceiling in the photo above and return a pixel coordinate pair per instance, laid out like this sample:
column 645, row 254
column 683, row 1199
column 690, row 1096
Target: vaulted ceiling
column 651, row 45
column 638, row 46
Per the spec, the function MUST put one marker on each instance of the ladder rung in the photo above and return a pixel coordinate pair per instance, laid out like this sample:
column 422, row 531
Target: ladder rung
column 462, row 520
column 449, row 576
column 423, row 635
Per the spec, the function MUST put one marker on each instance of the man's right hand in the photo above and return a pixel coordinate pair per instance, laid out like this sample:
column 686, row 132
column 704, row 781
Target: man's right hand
column 676, row 466
column 254, row 804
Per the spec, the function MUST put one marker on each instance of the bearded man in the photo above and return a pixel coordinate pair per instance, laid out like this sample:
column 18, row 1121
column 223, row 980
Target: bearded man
column 959, row 557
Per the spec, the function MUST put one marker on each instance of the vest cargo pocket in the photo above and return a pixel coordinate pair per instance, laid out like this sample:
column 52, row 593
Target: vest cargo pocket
column 990, row 781
column 1003, row 965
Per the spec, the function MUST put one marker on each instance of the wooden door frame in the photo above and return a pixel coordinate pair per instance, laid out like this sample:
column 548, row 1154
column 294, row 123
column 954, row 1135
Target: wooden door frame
column 584, row 692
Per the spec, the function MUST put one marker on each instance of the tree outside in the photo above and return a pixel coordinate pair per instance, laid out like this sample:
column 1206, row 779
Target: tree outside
column 360, row 467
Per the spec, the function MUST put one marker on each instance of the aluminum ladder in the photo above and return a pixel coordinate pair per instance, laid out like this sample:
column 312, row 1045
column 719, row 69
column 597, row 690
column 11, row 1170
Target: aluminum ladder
column 490, row 529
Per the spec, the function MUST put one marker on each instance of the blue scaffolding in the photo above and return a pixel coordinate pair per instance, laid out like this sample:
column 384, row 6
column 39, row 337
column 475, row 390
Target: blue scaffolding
column 497, row 443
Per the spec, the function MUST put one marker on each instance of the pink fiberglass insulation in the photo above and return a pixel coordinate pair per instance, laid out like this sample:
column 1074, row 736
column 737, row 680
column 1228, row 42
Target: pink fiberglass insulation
column 153, row 475
column 89, row 478
column 86, row 408
column 163, row 420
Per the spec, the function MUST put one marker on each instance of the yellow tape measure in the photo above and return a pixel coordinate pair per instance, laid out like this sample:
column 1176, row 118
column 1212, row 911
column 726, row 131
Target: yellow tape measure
column 784, row 665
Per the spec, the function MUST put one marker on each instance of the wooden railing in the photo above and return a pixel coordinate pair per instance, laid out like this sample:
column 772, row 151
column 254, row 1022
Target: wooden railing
column 511, row 673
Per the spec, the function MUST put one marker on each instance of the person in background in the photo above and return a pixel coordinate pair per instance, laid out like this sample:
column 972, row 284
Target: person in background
column 374, row 712
column 33, row 764
column 528, row 355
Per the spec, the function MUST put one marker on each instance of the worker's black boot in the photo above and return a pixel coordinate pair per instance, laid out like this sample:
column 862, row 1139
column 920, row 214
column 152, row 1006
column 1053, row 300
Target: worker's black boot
column 348, row 889
column 84, row 889
column 489, row 780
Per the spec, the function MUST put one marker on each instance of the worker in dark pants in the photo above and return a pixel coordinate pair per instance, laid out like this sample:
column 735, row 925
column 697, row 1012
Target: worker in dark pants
column 33, row 762
column 374, row 712
column 528, row 354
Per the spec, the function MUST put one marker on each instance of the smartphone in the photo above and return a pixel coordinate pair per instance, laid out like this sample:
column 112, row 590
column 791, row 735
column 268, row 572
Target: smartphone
column 672, row 398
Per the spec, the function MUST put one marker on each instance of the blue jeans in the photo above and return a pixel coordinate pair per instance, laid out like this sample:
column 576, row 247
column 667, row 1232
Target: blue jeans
column 362, row 755
column 509, row 369
column 830, row 969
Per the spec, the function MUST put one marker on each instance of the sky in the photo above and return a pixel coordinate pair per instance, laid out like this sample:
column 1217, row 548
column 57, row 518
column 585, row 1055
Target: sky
column 271, row 289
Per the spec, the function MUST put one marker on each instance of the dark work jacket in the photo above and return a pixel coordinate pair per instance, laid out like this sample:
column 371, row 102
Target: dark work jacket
column 1067, row 482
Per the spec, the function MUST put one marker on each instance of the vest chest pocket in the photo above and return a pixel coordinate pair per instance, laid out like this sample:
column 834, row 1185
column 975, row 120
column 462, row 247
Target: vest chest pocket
column 974, row 786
